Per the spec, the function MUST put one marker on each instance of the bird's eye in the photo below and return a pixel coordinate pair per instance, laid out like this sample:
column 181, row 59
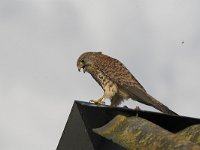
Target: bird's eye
column 82, row 61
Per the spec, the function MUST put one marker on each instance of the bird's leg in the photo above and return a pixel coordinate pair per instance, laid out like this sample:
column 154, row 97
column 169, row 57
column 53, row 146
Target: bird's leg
column 100, row 101
column 137, row 109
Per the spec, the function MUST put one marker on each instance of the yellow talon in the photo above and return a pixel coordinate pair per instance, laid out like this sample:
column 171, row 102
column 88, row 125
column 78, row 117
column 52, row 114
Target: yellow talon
column 99, row 101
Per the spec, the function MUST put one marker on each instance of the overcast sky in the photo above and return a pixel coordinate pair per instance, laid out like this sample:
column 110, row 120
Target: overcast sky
column 40, row 41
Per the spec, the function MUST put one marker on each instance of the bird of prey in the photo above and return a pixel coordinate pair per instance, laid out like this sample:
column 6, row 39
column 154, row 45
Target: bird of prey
column 117, row 81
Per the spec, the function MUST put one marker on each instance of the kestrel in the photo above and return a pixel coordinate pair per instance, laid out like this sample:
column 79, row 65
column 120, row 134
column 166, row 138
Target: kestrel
column 117, row 81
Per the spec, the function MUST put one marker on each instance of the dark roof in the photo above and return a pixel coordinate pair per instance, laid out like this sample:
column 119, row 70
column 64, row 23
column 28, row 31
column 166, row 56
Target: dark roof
column 84, row 117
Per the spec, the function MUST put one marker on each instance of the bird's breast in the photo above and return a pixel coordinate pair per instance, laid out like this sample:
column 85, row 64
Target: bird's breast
column 109, row 87
column 110, row 90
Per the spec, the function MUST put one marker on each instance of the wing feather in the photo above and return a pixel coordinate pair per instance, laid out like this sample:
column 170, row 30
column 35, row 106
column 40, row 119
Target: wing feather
column 115, row 71
column 147, row 99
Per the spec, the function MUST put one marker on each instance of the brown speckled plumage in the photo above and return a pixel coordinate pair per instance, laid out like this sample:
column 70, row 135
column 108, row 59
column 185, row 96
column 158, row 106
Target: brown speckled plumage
column 116, row 80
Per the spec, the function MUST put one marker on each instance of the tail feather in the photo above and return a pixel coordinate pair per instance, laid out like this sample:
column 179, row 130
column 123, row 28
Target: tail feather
column 143, row 97
column 158, row 105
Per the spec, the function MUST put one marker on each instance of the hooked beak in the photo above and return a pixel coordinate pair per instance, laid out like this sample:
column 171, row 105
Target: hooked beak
column 83, row 67
column 79, row 69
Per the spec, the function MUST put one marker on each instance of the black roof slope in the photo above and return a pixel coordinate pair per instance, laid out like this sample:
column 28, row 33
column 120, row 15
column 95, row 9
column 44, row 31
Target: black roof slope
column 84, row 117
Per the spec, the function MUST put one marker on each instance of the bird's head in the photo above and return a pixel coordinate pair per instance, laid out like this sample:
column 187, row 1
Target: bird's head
column 86, row 60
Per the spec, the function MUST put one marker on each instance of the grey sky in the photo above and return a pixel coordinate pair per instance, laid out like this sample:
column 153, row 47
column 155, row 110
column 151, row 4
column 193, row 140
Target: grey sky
column 40, row 41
